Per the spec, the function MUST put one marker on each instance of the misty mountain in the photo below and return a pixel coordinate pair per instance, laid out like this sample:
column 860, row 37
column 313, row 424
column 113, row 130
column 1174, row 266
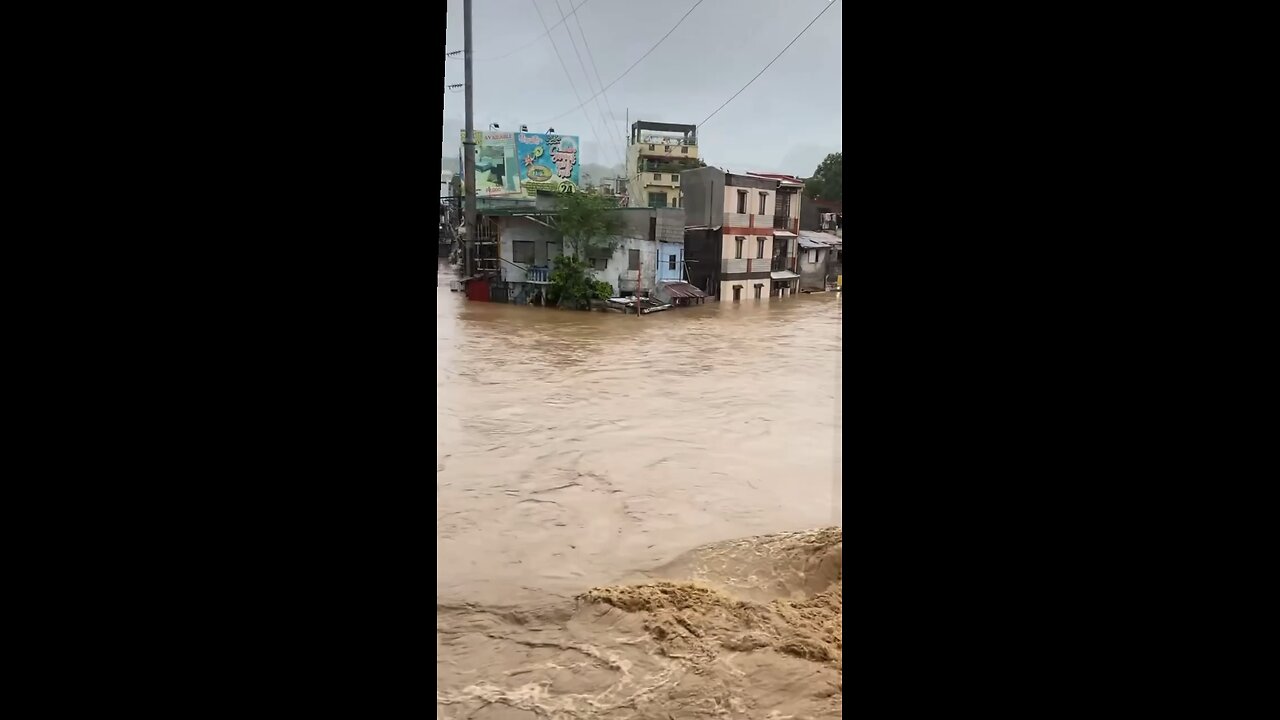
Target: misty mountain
column 600, row 172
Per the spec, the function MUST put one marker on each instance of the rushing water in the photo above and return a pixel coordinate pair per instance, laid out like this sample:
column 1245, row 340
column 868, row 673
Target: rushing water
column 579, row 449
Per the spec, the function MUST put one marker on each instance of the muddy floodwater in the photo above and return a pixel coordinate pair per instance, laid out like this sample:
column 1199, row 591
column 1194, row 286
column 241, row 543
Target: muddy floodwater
column 638, row 517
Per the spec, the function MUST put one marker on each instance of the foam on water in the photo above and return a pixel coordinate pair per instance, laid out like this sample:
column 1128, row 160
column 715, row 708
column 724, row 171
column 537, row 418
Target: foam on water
column 736, row 629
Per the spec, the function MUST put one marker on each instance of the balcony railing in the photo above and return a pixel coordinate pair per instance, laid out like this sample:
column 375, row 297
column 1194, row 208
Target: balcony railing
column 781, row 262
column 537, row 274
column 781, row 222
column 745, row 265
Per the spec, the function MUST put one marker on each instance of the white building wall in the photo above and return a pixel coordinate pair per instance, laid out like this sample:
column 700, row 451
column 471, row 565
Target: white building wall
column 546, row 247
column 623, row 279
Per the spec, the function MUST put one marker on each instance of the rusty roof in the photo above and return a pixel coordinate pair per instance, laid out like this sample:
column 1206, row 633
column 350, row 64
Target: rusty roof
column 683, row 289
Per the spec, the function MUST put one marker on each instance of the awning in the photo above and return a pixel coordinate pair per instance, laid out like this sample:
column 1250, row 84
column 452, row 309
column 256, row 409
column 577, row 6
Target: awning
column 683, row 290
column 783, row 233
column 783, row 275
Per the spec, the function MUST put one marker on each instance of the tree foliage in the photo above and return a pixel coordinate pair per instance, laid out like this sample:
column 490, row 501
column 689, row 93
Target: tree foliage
column 586, row 224
column 826, row 180
column 572, row 285
column 589, row 227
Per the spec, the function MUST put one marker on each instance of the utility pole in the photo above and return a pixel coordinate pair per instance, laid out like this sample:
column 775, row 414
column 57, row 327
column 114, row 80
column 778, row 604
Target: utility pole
column 468, row 150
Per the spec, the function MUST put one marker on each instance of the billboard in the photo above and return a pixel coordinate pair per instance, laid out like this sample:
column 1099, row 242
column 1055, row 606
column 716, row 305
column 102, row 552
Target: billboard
column 521, row 164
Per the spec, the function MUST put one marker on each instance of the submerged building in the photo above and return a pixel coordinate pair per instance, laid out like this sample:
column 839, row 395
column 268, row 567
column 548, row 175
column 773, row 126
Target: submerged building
column 740, row 233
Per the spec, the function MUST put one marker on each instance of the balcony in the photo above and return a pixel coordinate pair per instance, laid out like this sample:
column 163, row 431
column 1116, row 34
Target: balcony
column 744, row 265
column 518, row 272
column 782, row 222
column 782, row 262
column 670, row 151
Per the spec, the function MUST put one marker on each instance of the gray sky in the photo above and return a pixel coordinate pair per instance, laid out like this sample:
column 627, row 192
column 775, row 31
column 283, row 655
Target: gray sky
column 786, row 121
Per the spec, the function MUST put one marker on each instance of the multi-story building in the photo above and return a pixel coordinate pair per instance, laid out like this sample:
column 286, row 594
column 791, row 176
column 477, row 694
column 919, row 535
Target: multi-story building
column 656, row 155
column 740, row 233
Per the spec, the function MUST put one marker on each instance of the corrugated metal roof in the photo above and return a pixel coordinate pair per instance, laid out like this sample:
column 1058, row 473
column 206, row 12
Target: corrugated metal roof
column 783, row 233
column 683, row 289
column 820, row 238
column 783, row 275
column 805, row 242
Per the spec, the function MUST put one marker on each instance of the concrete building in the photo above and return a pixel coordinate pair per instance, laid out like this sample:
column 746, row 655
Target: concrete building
column 818, row 263
column 528, row 246
column 740, row 233
column 814, row 209
column 656, row 155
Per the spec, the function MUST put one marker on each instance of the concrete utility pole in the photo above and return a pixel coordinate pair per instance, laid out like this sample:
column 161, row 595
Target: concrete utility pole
column 468, row 150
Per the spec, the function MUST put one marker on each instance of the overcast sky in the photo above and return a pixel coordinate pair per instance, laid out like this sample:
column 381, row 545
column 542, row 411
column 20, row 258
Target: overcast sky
column 786, row 121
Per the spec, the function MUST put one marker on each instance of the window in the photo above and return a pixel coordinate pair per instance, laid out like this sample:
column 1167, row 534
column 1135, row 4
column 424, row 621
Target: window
column 666, row 148
column 763, row 197
column 653, row 229
column 522, row 251
column 813, row 256
column 758, row 287
column 738, row 250
column 684, row 149
column 675, row 179
column 633, row 259
column 657, row 176
column 759, row 247
column 651, row 147
column 671, row 262
column 658, row 200
column 599, row 263
column 742, row 202
column 737, row 293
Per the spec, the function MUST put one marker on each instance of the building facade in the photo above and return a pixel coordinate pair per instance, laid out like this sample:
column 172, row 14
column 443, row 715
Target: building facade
column 656, row 155
column 740, row 233
column 818, row 264
column 528, row 247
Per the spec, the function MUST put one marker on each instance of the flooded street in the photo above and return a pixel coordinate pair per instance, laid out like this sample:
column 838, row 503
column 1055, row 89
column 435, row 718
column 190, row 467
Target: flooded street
column 576, row 450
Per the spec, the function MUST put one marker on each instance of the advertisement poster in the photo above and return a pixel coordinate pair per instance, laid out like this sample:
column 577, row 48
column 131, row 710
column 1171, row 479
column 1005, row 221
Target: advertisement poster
column 521, row 164
column 549, row 162
column 496, row 168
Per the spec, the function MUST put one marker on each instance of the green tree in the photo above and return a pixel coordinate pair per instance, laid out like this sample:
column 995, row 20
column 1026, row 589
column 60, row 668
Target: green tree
column 588, row 227
column 572, row 285
column 826, row 180
column 587, row 224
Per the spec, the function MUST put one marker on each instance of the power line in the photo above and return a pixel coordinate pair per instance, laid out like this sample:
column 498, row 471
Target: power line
column 613, row 146
column 529, row 44
column 567, row 76
column 633, row 65
column 766, row 67
column 578, row 21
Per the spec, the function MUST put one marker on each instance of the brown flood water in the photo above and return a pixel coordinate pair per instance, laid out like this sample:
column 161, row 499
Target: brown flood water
column 593, row 450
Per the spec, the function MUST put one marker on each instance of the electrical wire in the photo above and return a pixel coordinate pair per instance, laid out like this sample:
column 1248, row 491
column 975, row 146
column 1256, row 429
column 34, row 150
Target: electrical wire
column 567, row 76
column 583, row 65
column 766, row 67
column 526, row 46
column 577, row 20
column 633, row 65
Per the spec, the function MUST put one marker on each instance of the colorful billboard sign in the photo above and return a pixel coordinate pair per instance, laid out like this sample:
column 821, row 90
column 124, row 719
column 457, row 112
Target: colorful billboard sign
column 521, row 164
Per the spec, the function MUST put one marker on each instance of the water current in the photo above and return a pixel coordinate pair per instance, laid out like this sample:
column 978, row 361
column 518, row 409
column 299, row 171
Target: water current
column 629, row 510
